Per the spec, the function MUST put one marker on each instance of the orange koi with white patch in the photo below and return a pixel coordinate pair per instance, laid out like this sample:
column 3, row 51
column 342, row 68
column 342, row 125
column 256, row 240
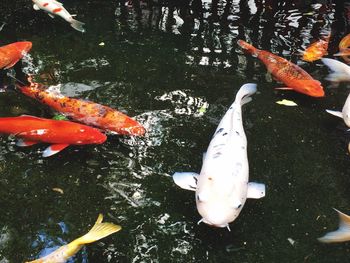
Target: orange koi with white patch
column 12, row 53
column 60, row 134
column 344, row 48
column 87, row 112
column 293, row 76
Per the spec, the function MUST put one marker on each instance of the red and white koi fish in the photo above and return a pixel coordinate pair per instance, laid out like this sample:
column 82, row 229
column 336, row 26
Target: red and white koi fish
column 342, row 234
column 53, row 8
column 60, row 134
column 87, row 112
column 12, row 53
column 293, row 76
column 97, row 232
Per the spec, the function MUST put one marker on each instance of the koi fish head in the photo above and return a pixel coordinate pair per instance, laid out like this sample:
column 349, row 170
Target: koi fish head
column 23, row 46
column 312, row 88
column 219, row 209
column 132, row 127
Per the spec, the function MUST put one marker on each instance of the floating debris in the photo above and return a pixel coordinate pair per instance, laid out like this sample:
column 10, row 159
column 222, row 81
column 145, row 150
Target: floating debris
column 58, row 190
column 287, row 103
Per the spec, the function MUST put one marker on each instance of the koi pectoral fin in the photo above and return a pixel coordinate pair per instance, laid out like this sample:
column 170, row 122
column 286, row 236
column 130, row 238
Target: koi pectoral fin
column 255, row 190
column 342, row 234
column 53, row 149
column 36, row 7
column 25, row 143
column 335, row 113
column 186, row 180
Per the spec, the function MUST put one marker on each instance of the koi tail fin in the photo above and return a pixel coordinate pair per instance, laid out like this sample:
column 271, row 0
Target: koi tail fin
column 244, row 93
column 342, row 234
column 340, row 71
column 98, row 231
column 247, row 47
column 77, row 25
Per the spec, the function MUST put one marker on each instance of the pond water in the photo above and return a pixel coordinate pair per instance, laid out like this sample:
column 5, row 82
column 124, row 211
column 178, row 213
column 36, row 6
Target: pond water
column 175, row 66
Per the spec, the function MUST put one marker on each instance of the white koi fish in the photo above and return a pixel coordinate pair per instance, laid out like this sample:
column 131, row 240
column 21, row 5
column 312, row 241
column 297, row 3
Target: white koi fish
column 340, row 71
column 53, row 8
column 222, row 186
column 342, row 234
column 345, row 113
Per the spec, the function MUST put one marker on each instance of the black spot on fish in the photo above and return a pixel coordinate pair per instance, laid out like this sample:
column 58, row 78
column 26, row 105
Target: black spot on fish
column 237, row 133
column 225, row 134
column 243, row 148
column 239, row 206
column 219, row 130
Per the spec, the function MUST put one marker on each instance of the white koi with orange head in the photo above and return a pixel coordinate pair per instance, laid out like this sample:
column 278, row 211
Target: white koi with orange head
column 55, row 8
column 223, row 186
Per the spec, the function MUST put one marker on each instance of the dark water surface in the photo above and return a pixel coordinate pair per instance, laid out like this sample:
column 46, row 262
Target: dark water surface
column 176, row 68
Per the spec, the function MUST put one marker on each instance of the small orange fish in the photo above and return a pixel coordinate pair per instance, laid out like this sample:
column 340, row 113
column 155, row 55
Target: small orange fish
column 344, row 50
column 87, row 112
column 293, row 76
column 316, row 50
column 12, row 53
column 97, row 232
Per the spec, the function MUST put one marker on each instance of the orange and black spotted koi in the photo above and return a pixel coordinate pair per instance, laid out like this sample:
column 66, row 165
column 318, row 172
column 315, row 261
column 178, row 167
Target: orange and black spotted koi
column 83, row 111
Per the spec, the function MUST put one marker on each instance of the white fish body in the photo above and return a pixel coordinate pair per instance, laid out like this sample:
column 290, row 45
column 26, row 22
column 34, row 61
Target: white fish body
column 53, row 8
column 340, row 71
column 222, row 186
column 342, row 234
column 345, row 113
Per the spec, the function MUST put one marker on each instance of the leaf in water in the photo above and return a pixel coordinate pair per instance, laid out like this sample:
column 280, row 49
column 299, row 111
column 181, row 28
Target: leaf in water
column 286, row 103
column 60, row 117
column 58, row 190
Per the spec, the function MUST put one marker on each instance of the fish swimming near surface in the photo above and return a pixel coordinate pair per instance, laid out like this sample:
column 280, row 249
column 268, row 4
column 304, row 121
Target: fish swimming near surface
column 340, row 71
column 60, row 134
column 222, row 186
column 342, row 234
column 293, row 76
column 345, row 113
column 97, row 232
column 344, row 48
column 316, row 50
column 83, row 111
column 53, row 8
column 12, row 53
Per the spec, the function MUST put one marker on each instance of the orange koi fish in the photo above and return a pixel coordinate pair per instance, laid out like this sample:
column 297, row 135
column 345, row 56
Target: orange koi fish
column 316, row 50
column 12, row 53
column 293, row 76
column 97, row 232
column 60, row 134
column 344, row 50
column 87, row 112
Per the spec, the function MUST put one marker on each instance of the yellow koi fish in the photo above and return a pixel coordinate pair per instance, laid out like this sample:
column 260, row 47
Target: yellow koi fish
column 97, row 232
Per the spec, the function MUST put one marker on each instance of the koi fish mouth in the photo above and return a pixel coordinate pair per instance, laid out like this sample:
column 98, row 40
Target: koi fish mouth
column 203, row 220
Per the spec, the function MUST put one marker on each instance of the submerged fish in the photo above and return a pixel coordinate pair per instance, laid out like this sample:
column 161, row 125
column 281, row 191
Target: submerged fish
column 97, row 232
column 316, row 50
column 345, row 113
column 60, row 134
column 342, row 234
column 87, row 112
column 222, row 186
column 53, row 8
column 12, row 53
column 285, row 71
column 340, row 71
column 344, row 48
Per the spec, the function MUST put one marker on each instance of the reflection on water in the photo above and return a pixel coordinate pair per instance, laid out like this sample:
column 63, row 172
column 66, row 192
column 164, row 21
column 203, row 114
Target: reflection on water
column 175, row 67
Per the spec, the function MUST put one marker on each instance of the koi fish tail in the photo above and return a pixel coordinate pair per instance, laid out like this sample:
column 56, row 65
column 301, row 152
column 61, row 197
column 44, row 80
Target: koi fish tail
column 98, row 231
column 77, row 25
column 342, row 234
column 247, row 47
column 340, row 71
column 244, row 93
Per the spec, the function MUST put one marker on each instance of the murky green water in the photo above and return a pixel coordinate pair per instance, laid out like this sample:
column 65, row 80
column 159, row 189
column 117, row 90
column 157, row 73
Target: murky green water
column 178, row 82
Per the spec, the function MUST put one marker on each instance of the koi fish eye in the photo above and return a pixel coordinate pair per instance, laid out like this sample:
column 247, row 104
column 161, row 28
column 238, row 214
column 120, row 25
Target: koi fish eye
column 237, row 205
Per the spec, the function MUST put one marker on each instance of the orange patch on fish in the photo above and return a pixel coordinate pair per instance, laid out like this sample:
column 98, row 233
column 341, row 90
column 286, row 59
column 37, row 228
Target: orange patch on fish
column 56, row 10
column 46, row 4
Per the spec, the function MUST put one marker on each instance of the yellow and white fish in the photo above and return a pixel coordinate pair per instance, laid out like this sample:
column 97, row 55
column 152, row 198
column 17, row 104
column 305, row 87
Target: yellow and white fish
column 53, row 8
column 97, row 232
